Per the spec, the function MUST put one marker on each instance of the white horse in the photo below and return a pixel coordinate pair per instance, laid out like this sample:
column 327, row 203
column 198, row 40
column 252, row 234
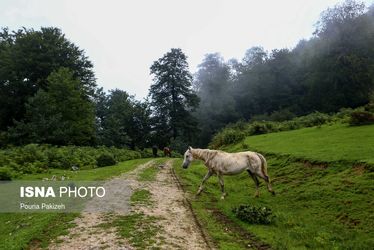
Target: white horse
column 222, row 163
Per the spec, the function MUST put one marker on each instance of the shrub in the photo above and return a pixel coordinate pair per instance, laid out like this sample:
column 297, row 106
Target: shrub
column 234, row 133
column 35, row 158
column 105, row 159
column 370, row 106
column 146, row 153
column 257, row 128
column 5, row 174
column 313, row 119
column 282, row 115
column 254, row 215
column 361, row 118
column 227, row 136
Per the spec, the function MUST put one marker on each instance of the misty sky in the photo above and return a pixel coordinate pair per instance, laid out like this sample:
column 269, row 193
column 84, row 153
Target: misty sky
column 123, row 38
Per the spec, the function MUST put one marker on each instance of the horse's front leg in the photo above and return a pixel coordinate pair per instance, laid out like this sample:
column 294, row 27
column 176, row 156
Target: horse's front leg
column 222, row 184
column 206, row 177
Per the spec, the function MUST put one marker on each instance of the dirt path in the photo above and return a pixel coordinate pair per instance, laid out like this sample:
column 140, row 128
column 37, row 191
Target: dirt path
column 170, row 204
column 176, row 224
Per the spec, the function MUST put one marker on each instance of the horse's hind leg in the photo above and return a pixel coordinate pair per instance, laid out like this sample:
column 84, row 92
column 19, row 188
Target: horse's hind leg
column 257, row 183
column 270, row 188
column 206, row 177
column 222, row 184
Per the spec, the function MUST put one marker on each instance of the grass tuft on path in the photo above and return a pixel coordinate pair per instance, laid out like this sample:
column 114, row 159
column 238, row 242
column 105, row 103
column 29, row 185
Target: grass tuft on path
column 141, row 197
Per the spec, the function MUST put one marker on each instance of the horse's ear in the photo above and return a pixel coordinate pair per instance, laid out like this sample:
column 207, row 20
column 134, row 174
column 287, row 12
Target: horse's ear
column 189, row 148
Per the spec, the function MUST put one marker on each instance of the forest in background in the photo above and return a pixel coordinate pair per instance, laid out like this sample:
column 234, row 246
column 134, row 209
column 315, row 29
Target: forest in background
column 49, row 93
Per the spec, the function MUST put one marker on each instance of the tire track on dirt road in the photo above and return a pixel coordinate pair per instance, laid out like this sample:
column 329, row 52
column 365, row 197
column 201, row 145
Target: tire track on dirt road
column 179, row 227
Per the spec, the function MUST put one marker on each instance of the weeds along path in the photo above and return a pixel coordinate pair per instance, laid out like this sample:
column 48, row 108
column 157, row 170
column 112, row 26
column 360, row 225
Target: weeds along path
column 157, row 215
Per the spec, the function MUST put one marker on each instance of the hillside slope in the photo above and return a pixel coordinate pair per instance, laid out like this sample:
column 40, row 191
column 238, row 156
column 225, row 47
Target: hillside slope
column 332, row 143
column 325, row 202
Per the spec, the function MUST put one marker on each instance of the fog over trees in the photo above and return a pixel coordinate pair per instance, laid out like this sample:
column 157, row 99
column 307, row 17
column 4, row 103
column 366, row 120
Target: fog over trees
column 49, row 94
column 332, row 70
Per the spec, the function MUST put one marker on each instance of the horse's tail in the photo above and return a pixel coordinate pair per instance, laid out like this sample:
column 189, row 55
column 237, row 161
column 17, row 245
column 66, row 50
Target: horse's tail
column 264, row 167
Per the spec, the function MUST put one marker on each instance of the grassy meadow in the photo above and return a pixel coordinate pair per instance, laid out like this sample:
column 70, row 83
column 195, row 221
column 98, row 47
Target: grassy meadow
column 329, row 143
column 317, row 206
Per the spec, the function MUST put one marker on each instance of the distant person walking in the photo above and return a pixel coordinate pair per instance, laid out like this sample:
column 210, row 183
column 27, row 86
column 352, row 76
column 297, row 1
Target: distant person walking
column 154, row 150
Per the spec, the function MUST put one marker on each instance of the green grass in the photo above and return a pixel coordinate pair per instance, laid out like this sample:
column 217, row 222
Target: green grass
column 338, row 142
column 149, row 174
column 19, row 230
column 141, row 230
column 141, row 197
column 315, row 207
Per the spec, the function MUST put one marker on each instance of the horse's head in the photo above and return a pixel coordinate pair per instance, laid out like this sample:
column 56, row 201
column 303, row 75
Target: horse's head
column 188, row 158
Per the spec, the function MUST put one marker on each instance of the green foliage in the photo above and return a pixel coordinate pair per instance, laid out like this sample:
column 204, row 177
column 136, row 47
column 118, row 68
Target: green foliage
column 253, row 214
column 217, row 104
column 257, row 128
column 105, row 159
column 172, row 98
column 234, row 133
column 60, row 115
column 146, row 153
column 178, row 145
column 330, row 71
column 28, row 57
column 313, row 119
column 226, row 137
column 282, row 115
column 361, row 118
column 6, row 174
column 122, row 120
column 34, row 158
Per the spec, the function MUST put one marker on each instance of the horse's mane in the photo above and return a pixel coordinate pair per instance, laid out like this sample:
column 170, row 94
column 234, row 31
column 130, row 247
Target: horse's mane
column 205, row 154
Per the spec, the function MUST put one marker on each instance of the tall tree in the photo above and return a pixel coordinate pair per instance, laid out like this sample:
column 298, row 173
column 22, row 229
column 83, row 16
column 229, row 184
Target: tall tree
column 27, row 58
column 172, row 97
column 61, row 114
column 122, row 120
column 341, row 73
column 214, row 88
column 248, row 83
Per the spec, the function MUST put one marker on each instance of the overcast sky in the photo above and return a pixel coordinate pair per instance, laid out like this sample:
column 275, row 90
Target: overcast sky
column 123, row 38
